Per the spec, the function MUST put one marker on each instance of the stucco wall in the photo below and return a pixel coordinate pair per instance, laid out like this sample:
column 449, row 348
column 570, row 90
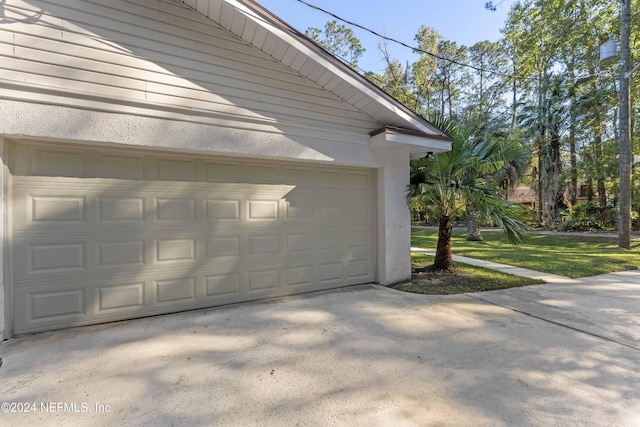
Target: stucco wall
column 394, row 224
column 86, row 126
column 4, row 300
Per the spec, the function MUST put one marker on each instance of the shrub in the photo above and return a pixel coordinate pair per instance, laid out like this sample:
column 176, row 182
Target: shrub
column 578, row 219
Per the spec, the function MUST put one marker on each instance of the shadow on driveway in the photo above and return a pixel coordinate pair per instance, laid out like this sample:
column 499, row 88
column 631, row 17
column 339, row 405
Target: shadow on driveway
column 364, row 355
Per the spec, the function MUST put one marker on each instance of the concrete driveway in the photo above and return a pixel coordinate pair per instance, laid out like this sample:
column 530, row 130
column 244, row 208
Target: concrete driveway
column 366, row 355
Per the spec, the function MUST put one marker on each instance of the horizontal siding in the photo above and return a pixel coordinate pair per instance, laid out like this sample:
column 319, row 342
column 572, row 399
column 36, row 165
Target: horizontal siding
column 164, row 55
column 297, row 132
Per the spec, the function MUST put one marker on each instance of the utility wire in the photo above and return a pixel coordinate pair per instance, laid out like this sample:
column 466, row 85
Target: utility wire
column 415, row 49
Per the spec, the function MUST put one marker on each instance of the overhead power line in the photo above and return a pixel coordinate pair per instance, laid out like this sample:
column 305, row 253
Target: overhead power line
column 416, row 49
column 401, row 43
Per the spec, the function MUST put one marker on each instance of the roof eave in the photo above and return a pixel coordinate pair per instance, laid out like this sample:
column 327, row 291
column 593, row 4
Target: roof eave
column 418, row 144
column 243, row 17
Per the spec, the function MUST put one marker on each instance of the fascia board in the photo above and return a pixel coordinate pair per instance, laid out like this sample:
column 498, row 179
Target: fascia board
column 417, row 145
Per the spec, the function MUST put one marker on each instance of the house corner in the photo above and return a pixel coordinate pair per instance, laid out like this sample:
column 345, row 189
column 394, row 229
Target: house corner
column 394, row 225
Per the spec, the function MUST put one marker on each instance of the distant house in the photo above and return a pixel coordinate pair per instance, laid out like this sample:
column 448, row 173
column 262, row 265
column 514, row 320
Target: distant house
column 526, row 196
column 162, row 156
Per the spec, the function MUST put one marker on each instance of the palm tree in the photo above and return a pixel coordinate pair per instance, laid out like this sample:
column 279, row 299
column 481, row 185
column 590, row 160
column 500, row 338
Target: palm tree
column 446, row 181
column 544, row 122
column 516, row 160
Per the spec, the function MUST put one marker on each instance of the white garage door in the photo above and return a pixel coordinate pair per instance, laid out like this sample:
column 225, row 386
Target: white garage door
column 106, row 234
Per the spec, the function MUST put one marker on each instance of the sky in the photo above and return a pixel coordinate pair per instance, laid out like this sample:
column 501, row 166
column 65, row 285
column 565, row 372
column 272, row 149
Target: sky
column 463, row 21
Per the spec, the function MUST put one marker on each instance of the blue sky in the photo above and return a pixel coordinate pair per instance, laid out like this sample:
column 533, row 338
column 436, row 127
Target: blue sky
column 463, row 21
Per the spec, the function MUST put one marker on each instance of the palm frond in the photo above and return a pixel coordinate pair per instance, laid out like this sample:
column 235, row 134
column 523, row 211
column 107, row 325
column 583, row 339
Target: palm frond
column 445, row 181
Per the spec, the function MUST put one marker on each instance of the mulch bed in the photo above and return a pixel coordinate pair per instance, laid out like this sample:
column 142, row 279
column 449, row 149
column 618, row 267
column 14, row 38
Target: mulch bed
column 428, row 278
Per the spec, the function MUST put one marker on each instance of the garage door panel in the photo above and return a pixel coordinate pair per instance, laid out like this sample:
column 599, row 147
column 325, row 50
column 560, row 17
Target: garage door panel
column 120, row 298
column 223, row 172
column 140, row 233
column 267, row 244
column 358, row 268
column 301, row 276
column 217, row 285
column 117, row 254
column 174, row 251
column 223, row 247
column 44, row 209
column 227, row 210
column 261, row 279
column 329, row 178
column 298, row 176
column 51, row 258
column 120, row 166
column 63, row 305
column 56, row 209
column 120, row 210
column 175, row 170
column 358, row 239
column 358, row 211
column 169, row 291
column 359, row 181
column 300, row 243
column 51, row 162
column 299, row 208
column 330, row 272
column 175, row 209
column 263, row 210
column 265, row 175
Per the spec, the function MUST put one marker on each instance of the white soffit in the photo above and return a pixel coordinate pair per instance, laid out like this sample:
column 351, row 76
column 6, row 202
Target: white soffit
column 257, row 26
column 419, row 145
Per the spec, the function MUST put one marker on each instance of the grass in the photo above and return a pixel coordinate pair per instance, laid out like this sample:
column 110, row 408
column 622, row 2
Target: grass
column 570, row 256
column 465, row 278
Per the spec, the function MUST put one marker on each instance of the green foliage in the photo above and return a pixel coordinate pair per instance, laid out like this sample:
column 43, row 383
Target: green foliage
column 339, row 40
column 579, row 219
column 445, row 181
column 542, row 85
column 526, row 215
column 581, row 255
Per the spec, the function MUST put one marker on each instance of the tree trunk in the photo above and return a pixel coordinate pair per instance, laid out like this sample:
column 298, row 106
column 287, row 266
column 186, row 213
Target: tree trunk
column 573, row 155
column 443, row 259
column 602, row 195
column 450, row 97
column 514, row 104
column 442, row 98
column 541, row 136
column 556, row 192
column 598, row 131
column 624, row 214
column 473, row 224
column 573, row 193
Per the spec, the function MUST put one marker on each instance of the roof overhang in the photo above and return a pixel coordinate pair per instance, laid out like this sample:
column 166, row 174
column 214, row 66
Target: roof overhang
column 419, row 144
column 260, row 28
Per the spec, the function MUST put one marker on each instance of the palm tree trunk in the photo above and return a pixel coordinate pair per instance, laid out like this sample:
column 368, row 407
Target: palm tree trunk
column 443, row 259
column 473, row 224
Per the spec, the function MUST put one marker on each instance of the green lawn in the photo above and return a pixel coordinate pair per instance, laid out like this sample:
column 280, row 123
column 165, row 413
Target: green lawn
column 571, row 256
